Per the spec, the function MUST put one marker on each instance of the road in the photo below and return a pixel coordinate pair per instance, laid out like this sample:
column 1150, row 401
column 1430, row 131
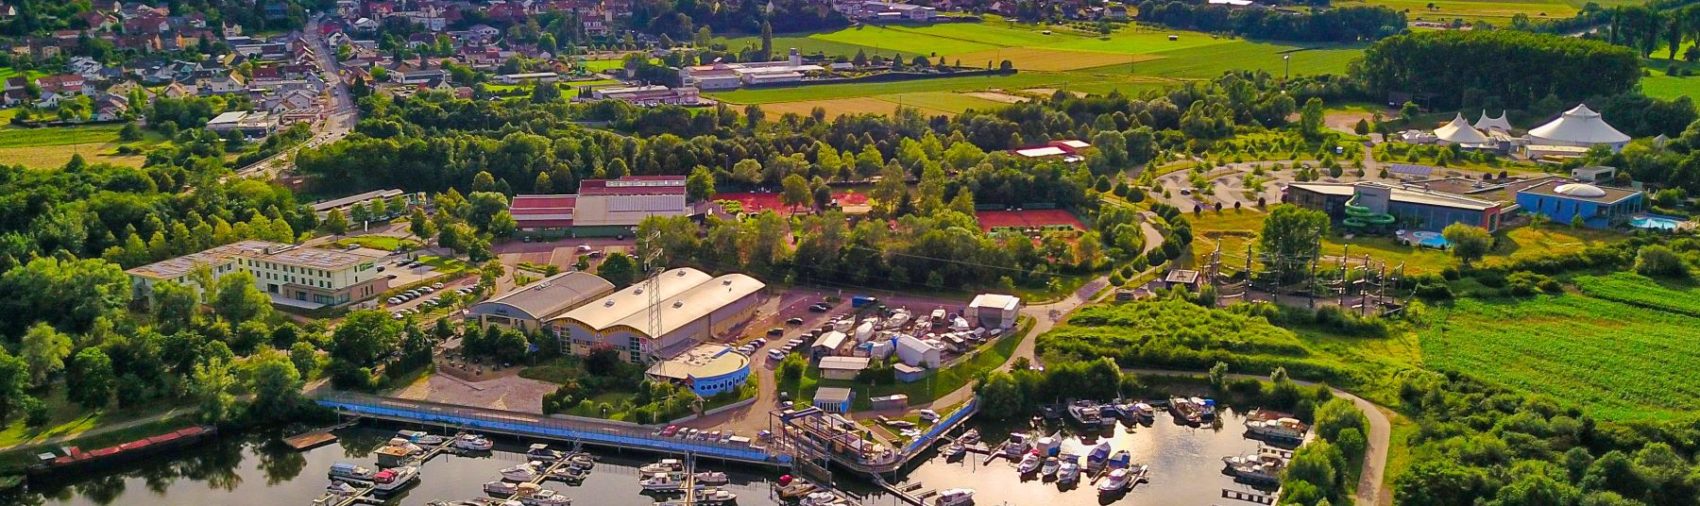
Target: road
column 340, row 114
column 1370, row 491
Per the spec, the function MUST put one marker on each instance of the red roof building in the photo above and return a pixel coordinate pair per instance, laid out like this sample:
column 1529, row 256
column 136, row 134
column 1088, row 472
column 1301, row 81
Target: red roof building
column 543, row 212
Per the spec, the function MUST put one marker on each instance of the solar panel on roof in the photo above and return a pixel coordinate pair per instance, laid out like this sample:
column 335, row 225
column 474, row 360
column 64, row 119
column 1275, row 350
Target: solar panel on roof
column 1412, row 170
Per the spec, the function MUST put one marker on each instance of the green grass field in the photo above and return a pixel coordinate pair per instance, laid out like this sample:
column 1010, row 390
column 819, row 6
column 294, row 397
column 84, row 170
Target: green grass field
column 1130, row 60
column 1658, row 84
column 51, row 147
column 1618, row 361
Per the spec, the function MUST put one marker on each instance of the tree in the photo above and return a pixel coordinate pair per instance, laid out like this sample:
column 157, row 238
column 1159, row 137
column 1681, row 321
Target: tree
column 1468, row 242
column 275, row 382
column 618, row 269
column 794, row 191
column 1336, row 416
column 238, row 299
column 1291, row 237
column 335, row 223
column 1000, row 396
column 1659, row 261
column 90, row 380
column 14, row 379
column 1362, row 127
column 211, row 383
column 174, row 306
column 365, row 337
column 44, row 348
column 700, row 185
column 420, row 225
column 1310, row 118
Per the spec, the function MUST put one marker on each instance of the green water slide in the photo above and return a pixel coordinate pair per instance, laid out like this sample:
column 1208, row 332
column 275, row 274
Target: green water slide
column 1363, row 219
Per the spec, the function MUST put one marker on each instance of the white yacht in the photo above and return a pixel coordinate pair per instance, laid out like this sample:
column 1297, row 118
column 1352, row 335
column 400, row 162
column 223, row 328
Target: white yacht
column 500, row 487
column 1118, row 481
column 395, row 478
column 664, row 466
column 581, row 461
column 660, row 482
column 474, row 442
column 530, row 494
column 1068, row 472
column 712, row 478
column 956, row 497
column 1049, row 468
column 1029, row 464
column 522, row 473
column 541, row 452
column 715, row 496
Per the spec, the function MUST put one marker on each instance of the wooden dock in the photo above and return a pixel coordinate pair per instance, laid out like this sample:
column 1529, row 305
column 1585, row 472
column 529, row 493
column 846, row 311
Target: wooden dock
column 993, row 455
column 1253, row 497
column 317, row 437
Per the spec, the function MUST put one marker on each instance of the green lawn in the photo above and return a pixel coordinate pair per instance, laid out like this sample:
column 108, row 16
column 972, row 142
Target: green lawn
column 446, row 265
column 1497, row 12
column 68, row 419
column 1616, row 360
column 1659, row 85
column 51, row 147
column 1131, row 59
column 383, row 242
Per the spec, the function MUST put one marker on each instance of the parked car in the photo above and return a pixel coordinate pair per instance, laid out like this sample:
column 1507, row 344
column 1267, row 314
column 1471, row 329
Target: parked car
column 776, row 354
column 794, row 321
column 819, row 308
column 776, row 331
column 670, row 431
column 759, row 342
column 437, row 286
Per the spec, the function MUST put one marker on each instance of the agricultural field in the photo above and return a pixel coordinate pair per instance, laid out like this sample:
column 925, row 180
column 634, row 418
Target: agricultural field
column 1496, row 12
column 1618, row 361
column 1132, row 59
column 51, row 147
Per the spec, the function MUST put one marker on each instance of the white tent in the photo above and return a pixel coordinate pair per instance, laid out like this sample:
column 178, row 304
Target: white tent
column 916, row 352
column 1459, row 131
column 1486, row 123
column 1578, row 127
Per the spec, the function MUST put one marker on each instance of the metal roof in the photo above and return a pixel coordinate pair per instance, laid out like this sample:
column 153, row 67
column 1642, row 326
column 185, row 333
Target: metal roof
column 549, row 297
column 685, row 295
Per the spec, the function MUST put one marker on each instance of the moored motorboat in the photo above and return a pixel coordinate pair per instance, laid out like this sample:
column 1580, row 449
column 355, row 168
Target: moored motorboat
column 1099, row 456
column 663, row 466
column 1260, row 468
column 531, row 494
column 421, row 437
column 343, row 471
column 712, row 478
column 474, row 443
column 1068, row 472
column 822, row 498
column 660, row 482
column 500, row 487
column 1029, row 463
column 1118, row 481
column 1018, row 444
column 581, row 461
column 1143, row 412
column 1121, row 460
column 1049, row 468
column 970, row 437
column 1084, row 412
column 955, row 497
column 715, row 496
column 1186, row 411
column 1049, row 445
column 1282, row 429
column 395, row 478
column 523, row 472
column 954, row 450
column 1206, row 409
column 542, row 452
column 569, row 473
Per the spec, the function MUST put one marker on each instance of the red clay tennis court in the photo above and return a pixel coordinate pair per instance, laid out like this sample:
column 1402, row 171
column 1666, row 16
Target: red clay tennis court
column 1027, row 218
column 757, row 202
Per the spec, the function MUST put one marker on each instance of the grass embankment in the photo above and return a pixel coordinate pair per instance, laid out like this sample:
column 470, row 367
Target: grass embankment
column 1129, row 59
column 383, row 242
column 1235, row 229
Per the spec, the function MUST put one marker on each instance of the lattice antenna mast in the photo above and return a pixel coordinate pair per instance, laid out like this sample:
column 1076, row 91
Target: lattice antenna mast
column 649, row 247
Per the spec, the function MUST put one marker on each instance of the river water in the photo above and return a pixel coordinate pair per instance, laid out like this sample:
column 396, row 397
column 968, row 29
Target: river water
column 253, row 470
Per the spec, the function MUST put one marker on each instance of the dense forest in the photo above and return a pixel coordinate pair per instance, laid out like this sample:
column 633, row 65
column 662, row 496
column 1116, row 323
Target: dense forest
column 1447, row 69
column 1344, row 24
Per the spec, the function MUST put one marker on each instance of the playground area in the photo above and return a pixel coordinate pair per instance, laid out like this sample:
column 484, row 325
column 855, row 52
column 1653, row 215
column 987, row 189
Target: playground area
column 1029, row 220
column 752, row 203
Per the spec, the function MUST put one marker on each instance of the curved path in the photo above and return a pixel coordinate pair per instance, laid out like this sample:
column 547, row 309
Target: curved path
column 1379, row 438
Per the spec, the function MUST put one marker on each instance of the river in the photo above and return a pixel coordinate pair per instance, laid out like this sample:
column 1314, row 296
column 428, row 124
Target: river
column 1185, row 470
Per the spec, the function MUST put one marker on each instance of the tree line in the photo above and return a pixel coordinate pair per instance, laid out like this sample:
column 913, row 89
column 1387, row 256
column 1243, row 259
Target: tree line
column 1518, row 69
column 1341, row 24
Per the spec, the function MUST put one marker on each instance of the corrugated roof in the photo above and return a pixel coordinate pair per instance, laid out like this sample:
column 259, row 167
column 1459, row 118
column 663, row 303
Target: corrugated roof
column 550, row 296
column 634, row 185
column 685, row 294
column 844, row 363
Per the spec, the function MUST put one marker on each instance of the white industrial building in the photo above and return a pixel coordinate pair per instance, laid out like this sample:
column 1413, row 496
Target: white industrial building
column 660, row 317
column 994, row 311
column 917, row 352
column 725, row 76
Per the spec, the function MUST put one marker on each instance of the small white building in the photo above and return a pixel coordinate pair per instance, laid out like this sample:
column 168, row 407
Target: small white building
column 995, row 311
column 917, row 353
column 842, row 368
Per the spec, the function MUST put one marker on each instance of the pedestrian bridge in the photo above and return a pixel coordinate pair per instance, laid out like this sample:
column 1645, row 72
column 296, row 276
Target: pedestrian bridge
column 535, row 426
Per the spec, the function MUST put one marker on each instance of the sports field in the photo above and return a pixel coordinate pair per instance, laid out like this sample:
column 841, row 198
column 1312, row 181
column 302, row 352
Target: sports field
column 1131, row 59
column 1601, row 349
column 1027, row 218
column 758, row 202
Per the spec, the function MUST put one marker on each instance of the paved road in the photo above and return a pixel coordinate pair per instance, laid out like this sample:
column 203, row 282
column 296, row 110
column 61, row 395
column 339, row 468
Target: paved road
column 1370, row 491
column 340, row 114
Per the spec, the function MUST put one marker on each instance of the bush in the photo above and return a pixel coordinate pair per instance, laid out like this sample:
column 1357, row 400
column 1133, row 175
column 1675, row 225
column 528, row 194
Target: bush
column 1659, row 261
column 1524, row 284
column 1434, row 292
column 35, row 411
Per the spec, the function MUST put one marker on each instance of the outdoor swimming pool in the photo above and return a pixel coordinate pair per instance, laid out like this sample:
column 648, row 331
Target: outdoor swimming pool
column 1423, row 238
column 1655, row 222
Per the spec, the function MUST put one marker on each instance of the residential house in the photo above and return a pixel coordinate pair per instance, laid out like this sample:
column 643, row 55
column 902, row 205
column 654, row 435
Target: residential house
column 99, row 21
column 221, row 84
column 111, row 107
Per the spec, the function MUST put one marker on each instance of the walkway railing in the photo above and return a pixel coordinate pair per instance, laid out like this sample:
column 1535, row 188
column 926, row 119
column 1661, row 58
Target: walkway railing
column 538, row 426
column 944, row 425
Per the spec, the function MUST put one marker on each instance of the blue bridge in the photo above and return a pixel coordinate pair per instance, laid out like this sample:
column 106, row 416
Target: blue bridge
column 534, row 426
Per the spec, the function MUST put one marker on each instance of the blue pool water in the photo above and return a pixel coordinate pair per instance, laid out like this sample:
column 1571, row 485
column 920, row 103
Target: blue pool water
column 1655, row 222
column 1430, row 240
